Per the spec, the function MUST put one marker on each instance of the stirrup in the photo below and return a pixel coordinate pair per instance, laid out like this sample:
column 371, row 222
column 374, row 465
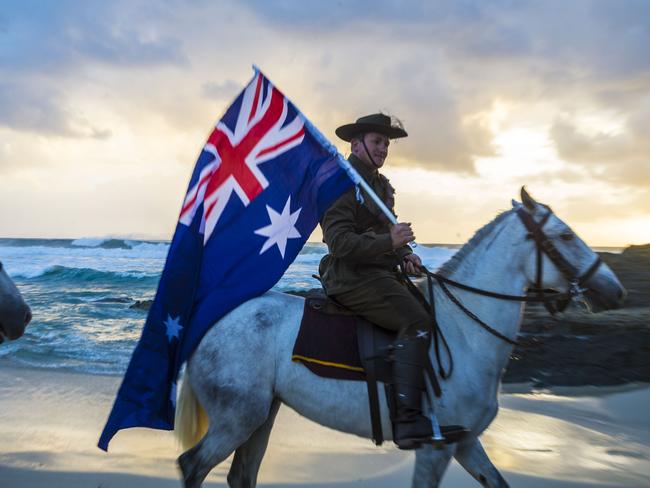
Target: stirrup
column 449, row 434
column 452, row 434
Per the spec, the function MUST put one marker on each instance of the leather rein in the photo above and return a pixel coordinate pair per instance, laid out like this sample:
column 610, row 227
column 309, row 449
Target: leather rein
column 544, row 245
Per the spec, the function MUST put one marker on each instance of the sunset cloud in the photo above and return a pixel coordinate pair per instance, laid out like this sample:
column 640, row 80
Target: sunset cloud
column 493, row 94
column 622, row 157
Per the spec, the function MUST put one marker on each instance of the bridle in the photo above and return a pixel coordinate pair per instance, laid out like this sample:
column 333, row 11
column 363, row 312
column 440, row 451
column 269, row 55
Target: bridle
column 544, row 245
column 550, row 298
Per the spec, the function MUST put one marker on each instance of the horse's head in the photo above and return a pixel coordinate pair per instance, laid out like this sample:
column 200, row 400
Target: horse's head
column 14, row 312
column 560, row 260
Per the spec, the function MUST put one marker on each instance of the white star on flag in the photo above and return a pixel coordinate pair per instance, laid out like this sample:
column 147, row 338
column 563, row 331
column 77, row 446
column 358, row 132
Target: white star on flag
column 282, row 228
column 173, row 327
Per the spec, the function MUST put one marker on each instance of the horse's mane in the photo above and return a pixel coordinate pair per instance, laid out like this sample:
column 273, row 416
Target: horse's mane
column 454, row 262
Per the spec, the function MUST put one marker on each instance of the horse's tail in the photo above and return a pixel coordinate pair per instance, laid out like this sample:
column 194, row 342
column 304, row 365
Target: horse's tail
column 191, row 421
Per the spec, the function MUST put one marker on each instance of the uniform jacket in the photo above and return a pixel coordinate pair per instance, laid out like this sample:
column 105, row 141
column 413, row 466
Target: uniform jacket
column 358, row 236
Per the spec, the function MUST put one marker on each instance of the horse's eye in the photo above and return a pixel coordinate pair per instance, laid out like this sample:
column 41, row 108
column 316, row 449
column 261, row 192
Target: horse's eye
column 567, row 236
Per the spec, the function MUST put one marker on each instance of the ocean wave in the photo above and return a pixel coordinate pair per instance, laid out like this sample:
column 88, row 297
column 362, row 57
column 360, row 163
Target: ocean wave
column 314, row 248
column 84, row 243
column 20, row 242
column 64, row 273
column 116, row 243
column 104, row 243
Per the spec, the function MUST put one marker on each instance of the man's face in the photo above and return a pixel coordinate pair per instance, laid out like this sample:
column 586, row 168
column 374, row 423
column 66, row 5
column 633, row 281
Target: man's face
column 377, row 145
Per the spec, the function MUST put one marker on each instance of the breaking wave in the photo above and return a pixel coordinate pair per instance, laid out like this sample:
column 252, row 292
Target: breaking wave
column 84, row 242
column 64, row 273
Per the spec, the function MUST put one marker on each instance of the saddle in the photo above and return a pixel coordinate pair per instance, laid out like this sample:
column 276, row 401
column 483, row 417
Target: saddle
column 335, row 343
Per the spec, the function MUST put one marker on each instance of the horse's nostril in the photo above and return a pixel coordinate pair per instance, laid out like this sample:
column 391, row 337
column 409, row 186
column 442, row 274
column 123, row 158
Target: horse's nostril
column 28, row 317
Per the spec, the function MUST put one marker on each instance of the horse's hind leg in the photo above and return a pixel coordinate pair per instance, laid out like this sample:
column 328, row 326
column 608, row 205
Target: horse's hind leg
column 196, row 463
column 236, row 407
column 471, row 456
column 233, row 419
column 248, row 456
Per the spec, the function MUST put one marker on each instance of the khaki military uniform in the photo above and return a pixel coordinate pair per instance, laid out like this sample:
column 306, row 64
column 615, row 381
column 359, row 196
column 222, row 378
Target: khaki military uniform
column 360, row 269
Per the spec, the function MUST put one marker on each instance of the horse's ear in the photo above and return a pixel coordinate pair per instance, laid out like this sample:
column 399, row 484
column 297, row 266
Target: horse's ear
column 515, row 203
column 527, row 200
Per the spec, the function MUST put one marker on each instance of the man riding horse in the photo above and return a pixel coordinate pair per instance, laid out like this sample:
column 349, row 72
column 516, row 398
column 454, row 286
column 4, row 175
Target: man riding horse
column 360, row 272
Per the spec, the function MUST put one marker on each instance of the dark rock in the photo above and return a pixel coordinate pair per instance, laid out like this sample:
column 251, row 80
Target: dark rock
column 303, row 293
column 579, row 348
column 142, row 305
column 114, row 244
column 114, row 300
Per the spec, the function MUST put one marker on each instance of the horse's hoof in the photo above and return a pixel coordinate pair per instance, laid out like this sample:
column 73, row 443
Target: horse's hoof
column 185, row 465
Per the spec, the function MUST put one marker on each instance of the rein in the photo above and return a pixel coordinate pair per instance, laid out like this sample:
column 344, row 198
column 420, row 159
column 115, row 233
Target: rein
column 441, row 281
column 543, row 245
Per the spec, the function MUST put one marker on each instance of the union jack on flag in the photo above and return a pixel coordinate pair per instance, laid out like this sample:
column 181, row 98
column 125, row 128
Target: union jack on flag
column 261, row 133
column 261, row 183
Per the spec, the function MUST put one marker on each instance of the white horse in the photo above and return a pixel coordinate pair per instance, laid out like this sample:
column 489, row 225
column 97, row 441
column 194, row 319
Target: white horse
column 242, row 370
column 14, row 312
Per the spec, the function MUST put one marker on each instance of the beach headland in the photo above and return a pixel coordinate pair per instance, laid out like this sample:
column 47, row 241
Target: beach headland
column 578, row 348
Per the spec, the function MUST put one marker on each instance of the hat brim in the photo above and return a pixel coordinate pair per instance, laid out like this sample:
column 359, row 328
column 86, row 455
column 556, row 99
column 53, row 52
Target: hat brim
column 348, row 131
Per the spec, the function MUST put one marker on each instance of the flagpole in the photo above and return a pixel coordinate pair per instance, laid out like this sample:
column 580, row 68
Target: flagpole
column 345, row 164
column 352, row 173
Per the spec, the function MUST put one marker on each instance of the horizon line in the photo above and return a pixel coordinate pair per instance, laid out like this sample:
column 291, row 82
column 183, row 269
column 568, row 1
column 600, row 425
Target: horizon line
column 157, row 239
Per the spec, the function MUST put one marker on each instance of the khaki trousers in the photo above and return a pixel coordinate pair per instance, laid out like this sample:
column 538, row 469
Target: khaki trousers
column 388, row 303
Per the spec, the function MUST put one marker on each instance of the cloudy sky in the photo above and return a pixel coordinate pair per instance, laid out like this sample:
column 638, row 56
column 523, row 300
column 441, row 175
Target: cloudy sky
column 104, row 106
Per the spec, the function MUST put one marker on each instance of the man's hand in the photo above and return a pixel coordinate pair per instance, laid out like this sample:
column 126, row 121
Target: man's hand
column 401, row 234
column 412, row 264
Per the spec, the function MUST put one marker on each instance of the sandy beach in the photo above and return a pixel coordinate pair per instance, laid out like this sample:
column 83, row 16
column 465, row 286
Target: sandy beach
column 573, row 415
column 50, row 422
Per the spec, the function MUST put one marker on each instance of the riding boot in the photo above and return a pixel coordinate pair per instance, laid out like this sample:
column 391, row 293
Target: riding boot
column 410, row 427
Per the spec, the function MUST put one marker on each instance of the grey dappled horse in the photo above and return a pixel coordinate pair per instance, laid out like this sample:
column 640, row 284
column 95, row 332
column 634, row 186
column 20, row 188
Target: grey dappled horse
column 14, row 312
column 242, row 370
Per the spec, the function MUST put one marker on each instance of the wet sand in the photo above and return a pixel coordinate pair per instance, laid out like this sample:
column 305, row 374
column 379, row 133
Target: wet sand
column 50, row 422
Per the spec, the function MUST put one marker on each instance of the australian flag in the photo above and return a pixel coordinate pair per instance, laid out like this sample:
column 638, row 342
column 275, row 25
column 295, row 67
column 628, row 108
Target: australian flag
column 261, row 183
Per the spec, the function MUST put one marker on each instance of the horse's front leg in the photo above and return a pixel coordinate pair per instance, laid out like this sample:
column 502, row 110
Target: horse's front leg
column 471, row 456
column 430, row 465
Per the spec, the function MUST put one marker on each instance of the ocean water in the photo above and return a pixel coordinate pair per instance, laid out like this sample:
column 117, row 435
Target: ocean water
column 81, row 291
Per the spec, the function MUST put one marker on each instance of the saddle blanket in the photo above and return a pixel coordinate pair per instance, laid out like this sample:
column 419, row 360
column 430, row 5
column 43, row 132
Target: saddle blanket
column 327, row 344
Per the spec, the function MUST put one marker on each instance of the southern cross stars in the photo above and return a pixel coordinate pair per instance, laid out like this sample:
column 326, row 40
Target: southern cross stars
column 282, row 228
column 173, row 327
